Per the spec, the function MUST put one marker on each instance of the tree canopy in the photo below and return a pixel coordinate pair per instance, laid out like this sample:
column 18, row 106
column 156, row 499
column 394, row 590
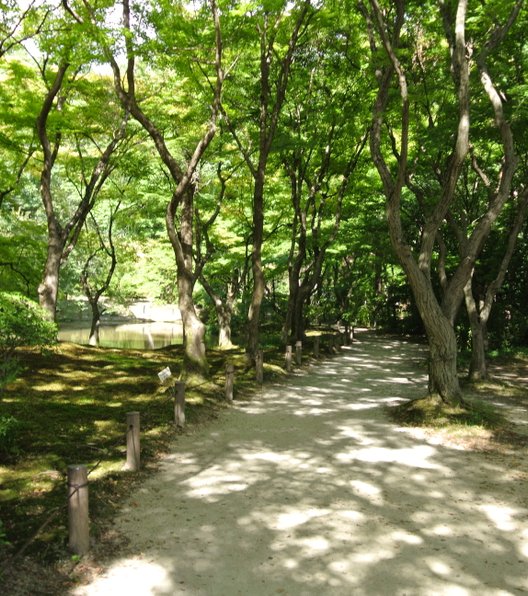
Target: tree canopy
column 272, row 166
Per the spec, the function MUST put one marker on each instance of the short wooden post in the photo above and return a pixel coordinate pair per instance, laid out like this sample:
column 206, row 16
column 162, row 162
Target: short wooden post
column 352, row 335
column 179, row 404
column 78, row 516
column 288, row 358
column 229, row 381
column 259, row 367
column 133, row 458
column 298, row 352
column 316, row 346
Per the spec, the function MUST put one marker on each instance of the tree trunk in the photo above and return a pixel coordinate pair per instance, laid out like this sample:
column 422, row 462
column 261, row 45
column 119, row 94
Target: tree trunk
column 298, row 322
column 288, row 330
column 193, row 328
column 223, row 309
column 256, row 264
column 443, row 377
column 224, row 327
column 49, row 286
column 93, row 340
column 182, row 244
column 477, row 367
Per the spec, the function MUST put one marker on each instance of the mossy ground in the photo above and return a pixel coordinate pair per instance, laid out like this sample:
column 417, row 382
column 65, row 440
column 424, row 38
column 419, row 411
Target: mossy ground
column 71, row 403
column 480, row 423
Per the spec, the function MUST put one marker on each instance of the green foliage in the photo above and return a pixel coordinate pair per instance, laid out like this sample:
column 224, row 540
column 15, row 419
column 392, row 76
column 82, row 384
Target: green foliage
column 9, row 428
column 22, row 323
column 432, row 412
column 331, row 90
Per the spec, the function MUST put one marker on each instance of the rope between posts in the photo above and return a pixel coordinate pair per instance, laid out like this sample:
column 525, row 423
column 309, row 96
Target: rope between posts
column 54, row 512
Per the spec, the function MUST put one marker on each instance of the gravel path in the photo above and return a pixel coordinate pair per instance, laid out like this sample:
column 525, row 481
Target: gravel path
column 310, row 490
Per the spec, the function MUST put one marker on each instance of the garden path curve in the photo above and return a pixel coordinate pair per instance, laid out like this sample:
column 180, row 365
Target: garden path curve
column 310, row 490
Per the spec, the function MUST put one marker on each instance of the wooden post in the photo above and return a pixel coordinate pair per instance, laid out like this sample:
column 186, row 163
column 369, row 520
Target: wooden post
column 298, row 352
column 316, row 346
column 334, row 343
column 179, row 404
column 259, row 367
column 229, row 381
column 288, row 357
column 133, row 458
column 78, row 517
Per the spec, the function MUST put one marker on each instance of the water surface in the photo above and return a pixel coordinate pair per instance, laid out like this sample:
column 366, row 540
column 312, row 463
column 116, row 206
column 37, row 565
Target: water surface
column 136, row 336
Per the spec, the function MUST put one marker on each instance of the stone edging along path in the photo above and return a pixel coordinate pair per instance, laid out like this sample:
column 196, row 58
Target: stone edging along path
column 310, row 489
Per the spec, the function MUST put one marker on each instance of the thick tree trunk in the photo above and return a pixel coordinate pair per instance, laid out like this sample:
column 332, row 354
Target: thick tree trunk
column 224, row 327
column 443, row 377
column 49, row 286
column 193, row 328
column 443, row 374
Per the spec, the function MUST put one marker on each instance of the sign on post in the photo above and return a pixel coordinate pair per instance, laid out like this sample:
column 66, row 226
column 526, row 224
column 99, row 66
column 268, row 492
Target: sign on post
column 165, row 374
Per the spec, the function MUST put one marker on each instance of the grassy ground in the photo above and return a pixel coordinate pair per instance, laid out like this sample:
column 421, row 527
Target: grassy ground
column 70, row 405
column 481, row 424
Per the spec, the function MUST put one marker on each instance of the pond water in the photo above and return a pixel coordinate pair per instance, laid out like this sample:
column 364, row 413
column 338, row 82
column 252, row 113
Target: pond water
column 135, row 336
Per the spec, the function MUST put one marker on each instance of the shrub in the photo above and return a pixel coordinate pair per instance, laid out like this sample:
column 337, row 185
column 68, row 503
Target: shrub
column 9, row 427
column 22, row 323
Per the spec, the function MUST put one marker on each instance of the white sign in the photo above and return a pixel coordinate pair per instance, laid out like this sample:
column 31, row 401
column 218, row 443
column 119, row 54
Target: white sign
column 165, row 374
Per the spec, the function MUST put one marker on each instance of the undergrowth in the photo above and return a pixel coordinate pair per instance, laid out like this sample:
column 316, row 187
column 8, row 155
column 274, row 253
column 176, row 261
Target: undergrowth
column 69, row 407
column 432, row 412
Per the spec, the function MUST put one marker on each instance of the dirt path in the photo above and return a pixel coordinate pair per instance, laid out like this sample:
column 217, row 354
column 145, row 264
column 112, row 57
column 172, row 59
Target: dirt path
column 309, row 489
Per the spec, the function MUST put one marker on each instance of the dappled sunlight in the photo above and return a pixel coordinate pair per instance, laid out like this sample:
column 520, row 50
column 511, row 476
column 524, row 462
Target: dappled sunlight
column 502, row 517
column 134, row 577
column 310, row 490
column 368, row 491
column 414, row 457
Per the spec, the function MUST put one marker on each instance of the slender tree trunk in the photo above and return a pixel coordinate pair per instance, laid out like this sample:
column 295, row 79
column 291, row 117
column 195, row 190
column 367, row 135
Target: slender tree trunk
column 224, row 309
column 256, row 265
column 93, row 340
column 289, row 323
column 477, row 367
column 182, row 243
column 299, row 323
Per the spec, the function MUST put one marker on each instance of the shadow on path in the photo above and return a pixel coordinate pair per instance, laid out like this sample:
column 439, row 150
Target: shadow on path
column 309, row 489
